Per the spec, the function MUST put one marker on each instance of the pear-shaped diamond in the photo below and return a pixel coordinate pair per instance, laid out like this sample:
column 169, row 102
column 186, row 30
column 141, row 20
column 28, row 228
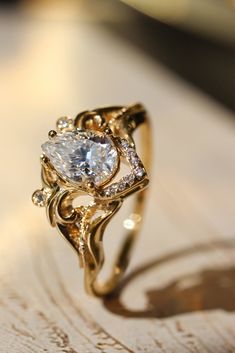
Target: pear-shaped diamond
column 81, row 156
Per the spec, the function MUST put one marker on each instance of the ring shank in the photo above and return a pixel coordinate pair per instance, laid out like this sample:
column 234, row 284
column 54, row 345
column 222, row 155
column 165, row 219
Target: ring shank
column 136, row 116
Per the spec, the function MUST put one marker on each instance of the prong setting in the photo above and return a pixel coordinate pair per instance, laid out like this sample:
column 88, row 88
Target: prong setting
column 52, row 134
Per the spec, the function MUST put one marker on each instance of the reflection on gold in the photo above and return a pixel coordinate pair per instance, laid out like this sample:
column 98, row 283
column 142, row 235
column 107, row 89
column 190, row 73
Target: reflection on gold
column 132, row 221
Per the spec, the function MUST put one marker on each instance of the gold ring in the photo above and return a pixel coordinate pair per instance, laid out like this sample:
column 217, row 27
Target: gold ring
column 86, row 156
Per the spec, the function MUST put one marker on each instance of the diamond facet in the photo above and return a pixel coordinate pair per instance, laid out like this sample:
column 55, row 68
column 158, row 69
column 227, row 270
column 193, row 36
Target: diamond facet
column 80, row 156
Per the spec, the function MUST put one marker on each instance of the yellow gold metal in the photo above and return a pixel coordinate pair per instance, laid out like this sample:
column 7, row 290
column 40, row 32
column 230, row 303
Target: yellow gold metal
column 84, row 226
column 52, row 134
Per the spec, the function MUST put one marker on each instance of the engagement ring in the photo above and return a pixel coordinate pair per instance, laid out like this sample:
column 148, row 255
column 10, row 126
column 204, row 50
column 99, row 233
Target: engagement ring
column 86, row 156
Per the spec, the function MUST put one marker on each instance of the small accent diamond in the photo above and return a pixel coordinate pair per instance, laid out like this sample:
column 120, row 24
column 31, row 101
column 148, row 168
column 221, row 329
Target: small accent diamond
column 114, row 188
column 137, row 170
column 124, row 143
column 107, row 192
column 133, row 158
column 130, row 179
column 121, row 186
column 39, row 198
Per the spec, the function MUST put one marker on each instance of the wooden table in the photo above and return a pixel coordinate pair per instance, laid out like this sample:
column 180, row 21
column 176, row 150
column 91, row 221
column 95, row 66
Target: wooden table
column 179, row 292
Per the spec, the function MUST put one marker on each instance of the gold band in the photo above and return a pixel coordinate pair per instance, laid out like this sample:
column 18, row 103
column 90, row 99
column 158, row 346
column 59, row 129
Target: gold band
column 84, row 226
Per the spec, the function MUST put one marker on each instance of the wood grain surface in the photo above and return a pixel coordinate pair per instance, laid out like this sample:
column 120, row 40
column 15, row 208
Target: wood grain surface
column 179, row 292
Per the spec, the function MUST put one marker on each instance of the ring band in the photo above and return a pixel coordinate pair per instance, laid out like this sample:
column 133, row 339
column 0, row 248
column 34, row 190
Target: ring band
column 83, row 157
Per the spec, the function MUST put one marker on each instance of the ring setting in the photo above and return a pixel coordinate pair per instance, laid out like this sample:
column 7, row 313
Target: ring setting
column 85, row 156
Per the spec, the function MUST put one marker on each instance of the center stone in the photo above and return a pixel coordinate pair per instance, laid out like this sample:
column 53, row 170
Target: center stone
column 82, row 157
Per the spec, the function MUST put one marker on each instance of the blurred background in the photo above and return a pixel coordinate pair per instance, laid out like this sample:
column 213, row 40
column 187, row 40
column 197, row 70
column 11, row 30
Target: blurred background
column 194, row 39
